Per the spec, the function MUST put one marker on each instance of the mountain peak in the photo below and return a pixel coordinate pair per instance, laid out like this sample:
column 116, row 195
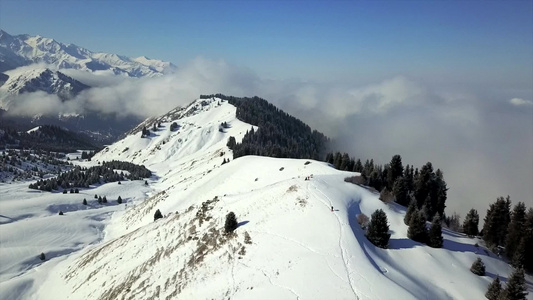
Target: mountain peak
column 21, row 50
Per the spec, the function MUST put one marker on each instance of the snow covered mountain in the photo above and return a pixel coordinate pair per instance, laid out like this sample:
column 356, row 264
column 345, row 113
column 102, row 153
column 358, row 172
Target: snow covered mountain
column 41, row 79
column 21, row 50
column 289, row 244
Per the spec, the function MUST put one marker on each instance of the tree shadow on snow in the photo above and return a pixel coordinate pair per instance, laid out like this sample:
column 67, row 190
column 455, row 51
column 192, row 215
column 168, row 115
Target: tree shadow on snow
column 406, row 243
column 242, row 223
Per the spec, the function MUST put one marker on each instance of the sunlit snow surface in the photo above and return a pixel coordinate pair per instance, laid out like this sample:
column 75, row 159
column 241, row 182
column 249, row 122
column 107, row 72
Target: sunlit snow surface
column 297, row 247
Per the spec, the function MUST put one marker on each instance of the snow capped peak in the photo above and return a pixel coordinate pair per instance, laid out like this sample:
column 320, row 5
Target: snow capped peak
column 20, row 50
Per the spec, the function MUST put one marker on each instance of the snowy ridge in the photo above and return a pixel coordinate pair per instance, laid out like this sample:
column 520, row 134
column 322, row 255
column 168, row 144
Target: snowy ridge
column 21, row 50
column 40, row 79
column 289, row 244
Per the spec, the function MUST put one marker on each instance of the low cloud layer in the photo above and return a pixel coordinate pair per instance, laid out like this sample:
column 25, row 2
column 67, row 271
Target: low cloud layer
column 481, row 140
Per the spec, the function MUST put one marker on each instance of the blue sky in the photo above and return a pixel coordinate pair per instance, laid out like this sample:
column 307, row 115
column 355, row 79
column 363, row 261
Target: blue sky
column 482, row 42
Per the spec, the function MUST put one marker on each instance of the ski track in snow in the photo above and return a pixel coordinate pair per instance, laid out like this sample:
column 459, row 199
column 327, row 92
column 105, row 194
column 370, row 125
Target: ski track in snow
column 341, row 234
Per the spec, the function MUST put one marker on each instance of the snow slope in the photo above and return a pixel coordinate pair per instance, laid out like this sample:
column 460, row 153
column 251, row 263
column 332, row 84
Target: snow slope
column 289, row 244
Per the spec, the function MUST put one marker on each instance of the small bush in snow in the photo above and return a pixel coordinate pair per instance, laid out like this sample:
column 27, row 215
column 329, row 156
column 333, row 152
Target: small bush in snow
column 158, row 215
column 60, row 213
column 362, row 220
column 231, row 222
column 478, row 267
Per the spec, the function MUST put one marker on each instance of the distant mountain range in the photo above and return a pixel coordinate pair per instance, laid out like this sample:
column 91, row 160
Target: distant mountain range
column 34, row 63
column 22, row 50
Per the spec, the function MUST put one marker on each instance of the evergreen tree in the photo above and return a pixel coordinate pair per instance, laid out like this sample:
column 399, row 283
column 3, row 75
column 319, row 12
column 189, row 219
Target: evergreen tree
column 422, row 184
column 358, row 166
column 395, row 170
column 231, row 142
column 231, row 222
column 516, row 286
column 84, row 202
column 400, row 191
column 478, row 267
column 528, row 242
column 516, row 229
column 378, row 229
column 100, row 199
column 119, row 200
column 470, row 224
column 345, row 161
column 158, row 215
column 104, row 200
column 411, row 209
column 42, row 257
column 494, row 290
column 417, row 227
column 496, row 222
column 435, row 233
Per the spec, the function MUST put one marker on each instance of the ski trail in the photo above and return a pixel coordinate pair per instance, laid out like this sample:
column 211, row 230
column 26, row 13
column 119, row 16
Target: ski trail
column 341, row 234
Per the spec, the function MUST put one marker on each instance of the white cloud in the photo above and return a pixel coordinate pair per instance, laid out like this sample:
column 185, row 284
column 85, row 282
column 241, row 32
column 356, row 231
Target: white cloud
column 520, row 102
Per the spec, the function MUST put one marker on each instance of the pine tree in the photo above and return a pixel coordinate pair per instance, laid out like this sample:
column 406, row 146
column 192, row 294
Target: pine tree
column 104, row 200
column 478, row 267
column 400, row 191
column 411, row 209
column 84, row 202
column 470, row 224
column 417, row 227
column 42, row 257
column 516, row 286
column 516, row 229
column 378, row 229
column 435, row 233
column 231, row 222
column 528, row 241
column 494, row 290
column 358, row 167
column 119, row 200
column 496, row 222
column 158, row 215
column 395, row 170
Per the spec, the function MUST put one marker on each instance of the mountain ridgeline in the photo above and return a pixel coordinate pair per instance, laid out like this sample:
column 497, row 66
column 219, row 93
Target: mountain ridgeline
column 279, row 134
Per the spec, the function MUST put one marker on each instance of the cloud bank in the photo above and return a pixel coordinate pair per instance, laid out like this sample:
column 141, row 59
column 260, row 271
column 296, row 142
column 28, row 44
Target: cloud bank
column 482, row 141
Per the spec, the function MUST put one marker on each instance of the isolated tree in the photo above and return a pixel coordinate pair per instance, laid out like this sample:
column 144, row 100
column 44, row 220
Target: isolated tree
column 158, row 215
column 72, row 191
column 400, row 190
column 42, row 257
column 494, row 290
column 378, row 229
column 60, row 213
column 417, row 227
column 471, row 222
column 516, row 229
column 84, row 201
column 76, row 191
column 478, row 267
column 95, row 196
column 119, row 200
column 411, row 209
column 435, row 233
column 516, row 288
column 231, row 222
